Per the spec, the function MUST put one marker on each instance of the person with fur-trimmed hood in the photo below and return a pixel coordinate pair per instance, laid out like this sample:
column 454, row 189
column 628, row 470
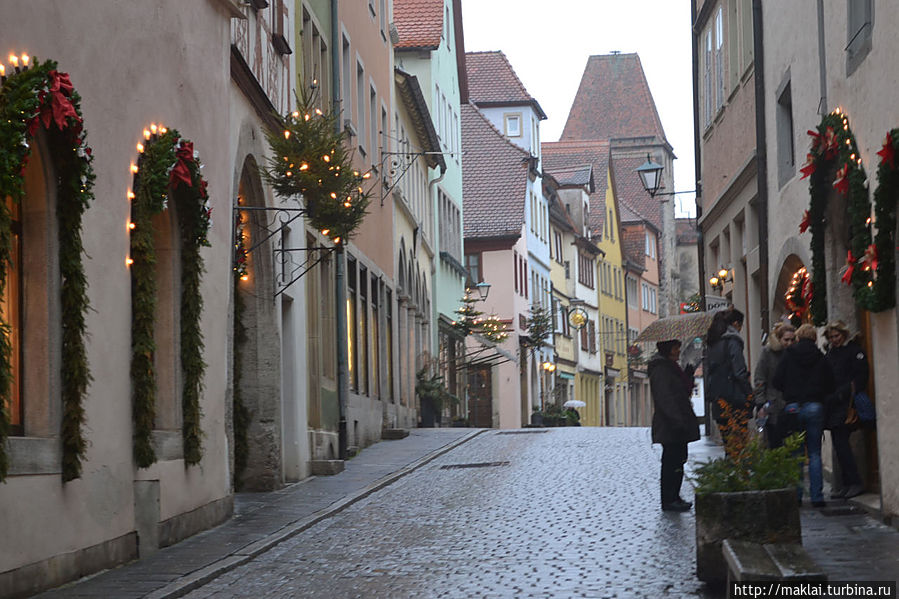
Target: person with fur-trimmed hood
column 674, row 423
column 769, row 400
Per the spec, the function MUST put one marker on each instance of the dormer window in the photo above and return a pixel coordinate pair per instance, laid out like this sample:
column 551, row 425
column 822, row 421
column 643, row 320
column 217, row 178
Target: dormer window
column 513, row 125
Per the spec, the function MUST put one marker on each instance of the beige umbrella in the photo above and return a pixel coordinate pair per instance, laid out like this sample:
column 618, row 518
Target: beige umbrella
column 685, row 327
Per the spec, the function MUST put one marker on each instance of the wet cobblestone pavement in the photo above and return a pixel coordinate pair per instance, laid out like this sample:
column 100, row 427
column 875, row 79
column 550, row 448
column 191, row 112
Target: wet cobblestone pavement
column 566, row 512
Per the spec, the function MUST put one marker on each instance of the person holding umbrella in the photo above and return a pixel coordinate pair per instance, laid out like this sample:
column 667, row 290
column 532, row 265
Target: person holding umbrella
column 674, row 423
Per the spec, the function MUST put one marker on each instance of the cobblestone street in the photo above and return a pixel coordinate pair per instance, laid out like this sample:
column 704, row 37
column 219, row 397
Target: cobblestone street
column 566, row 512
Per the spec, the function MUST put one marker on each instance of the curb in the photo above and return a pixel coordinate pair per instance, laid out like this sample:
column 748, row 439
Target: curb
column 198, row 578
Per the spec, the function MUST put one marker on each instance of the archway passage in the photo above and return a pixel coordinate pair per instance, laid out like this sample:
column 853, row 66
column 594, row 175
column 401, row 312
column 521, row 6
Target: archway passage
column 258, row 436
column 52, row 105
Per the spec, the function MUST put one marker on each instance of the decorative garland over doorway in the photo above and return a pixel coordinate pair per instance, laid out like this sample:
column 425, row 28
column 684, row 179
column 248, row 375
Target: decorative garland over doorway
column 41, row 97
column 870, row 266
column 167, row 168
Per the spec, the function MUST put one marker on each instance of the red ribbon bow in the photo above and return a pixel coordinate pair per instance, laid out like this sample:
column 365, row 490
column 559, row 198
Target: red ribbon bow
column 870, row 257
column 806, row 222
column 60, row 106
column 850, row 268
column 887, row 153
column 841, row 183
column 181, row 171
column 809, row 166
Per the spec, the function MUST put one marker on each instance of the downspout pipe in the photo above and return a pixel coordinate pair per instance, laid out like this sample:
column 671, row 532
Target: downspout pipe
column 697, row 173
column 761, row 152
column 340, row 315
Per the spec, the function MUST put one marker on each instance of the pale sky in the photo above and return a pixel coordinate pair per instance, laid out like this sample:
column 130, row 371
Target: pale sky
column 548, row 43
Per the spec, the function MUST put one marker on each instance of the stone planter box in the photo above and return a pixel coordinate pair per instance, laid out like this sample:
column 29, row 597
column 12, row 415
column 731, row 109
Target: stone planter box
column 754, row 516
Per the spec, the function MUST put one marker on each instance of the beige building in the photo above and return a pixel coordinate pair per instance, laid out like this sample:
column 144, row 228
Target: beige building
column 728, row 202
column 843, row 63
column 214, row 76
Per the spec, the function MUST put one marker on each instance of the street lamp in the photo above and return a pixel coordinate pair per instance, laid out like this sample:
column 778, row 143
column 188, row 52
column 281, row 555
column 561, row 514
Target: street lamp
column 721, row 277
column 650, row 176
column 483, row 289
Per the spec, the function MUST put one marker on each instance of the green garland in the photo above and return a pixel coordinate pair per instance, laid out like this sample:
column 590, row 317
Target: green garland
column 833, row 148
column 870, row 267
column 880, row 293
column 310, row 158
column 30, row 99
column 167, row 168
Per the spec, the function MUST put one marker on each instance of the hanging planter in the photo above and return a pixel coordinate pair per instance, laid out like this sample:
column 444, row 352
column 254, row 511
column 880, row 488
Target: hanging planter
column 167, row 169
column 33, row 98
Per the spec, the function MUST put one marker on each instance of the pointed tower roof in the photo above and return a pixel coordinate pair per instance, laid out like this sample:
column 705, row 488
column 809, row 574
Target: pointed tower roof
column 492, row 82
column 613, row 101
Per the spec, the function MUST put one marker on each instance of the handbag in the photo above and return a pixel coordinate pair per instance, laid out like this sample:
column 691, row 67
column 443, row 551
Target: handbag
column 864, row 407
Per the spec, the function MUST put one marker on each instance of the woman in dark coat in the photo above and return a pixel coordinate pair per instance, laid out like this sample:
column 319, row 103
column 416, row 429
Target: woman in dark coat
column 674, row 423
column 769, row 400
column 725, row 369
column 805, row 378
column 850, row 370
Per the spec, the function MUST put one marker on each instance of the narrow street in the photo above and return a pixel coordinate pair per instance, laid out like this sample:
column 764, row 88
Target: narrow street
column 564, row 512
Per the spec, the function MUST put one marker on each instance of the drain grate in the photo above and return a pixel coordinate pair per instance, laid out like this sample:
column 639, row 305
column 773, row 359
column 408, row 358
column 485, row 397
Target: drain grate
column 526, row 431
column 474, row 465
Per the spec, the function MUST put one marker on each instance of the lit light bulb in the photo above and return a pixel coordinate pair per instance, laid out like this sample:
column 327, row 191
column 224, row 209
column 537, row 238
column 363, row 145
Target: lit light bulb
column 131, row 226
column 333, row 195
column 140, row 148
column 304, row 167
column 286, row 134
column 147, row 134
column 14, row 60
column 244, row 277
column 163, row 130
column 25, row 59
column 325, row 232
column 295, row 114
column 128, row 261
column 306, row 117
column 130, row 195
column 326, row 158
column 153, row 128
column 134, row 168
column 366, row 176
column 2, row 71
column 289, row 173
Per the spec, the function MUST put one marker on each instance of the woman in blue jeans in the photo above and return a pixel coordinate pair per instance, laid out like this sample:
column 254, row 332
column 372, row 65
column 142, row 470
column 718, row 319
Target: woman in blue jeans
column 805, row 378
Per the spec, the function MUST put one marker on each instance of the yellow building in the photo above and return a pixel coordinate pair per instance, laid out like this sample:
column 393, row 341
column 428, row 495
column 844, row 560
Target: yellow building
column 597, row 278
column 612, row 311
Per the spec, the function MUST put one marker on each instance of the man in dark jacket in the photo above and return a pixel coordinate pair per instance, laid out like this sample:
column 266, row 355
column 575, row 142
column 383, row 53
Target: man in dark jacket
column 806, row 379
column 674, row 423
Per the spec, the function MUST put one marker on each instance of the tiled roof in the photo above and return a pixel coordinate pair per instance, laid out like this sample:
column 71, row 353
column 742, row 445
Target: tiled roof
column 572, row 175
column 494, row 179
column 686, row 231
column 613, row 101
column 633, row 244
column 630, row 192
column 419, row 23
column 563, row 154
column 492, row 81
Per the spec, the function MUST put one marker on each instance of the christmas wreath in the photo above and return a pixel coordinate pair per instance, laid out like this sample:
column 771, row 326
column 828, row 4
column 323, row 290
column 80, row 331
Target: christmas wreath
column 36, row 98
column 167, row 168
column 870, row 267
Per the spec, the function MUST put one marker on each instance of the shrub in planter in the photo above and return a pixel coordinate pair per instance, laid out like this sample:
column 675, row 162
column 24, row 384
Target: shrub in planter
column 749, row 495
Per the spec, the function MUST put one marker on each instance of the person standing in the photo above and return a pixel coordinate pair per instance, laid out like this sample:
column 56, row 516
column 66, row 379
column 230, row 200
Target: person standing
column 850, row 372
column 768, row 399
column 805, row 378
column 674, row 423
column 726, row 372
